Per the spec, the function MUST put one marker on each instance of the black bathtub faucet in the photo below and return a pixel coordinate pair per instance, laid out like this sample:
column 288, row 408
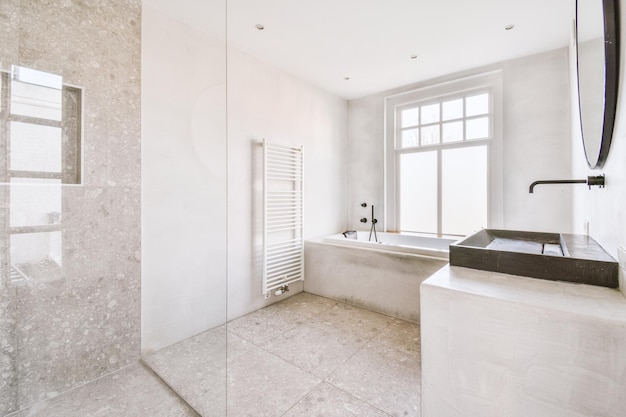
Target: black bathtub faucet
column 373, row 228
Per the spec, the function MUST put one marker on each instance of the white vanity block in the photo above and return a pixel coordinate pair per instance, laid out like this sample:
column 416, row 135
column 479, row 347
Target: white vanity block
column 497, row 345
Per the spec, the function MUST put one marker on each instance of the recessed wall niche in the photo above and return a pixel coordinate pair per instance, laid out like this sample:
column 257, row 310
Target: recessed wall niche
column 40, row 137
column 40, row 128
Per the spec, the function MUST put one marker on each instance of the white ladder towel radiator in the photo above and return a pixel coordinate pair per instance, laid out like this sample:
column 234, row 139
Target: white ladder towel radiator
column 283, row 244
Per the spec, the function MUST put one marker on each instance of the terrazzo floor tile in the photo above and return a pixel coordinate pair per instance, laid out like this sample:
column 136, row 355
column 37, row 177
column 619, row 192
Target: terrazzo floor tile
column 328, row 401
column 278, row 356
column 262, row 385
column 317, row 348
column 364, row 323
column 130, row 392
column 265, row 324
column 196, row 369
column 384, row 377
column 402, row 335
column 306, row 304
column 271, row 363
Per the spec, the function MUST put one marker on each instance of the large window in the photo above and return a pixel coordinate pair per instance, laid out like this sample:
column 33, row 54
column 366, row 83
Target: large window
column 441, row 147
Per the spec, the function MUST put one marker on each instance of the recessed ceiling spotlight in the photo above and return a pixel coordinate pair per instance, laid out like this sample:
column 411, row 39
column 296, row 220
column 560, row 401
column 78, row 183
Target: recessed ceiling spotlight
column 413, row 56
column 346, row 78
column 509, row 27
column 259, row 26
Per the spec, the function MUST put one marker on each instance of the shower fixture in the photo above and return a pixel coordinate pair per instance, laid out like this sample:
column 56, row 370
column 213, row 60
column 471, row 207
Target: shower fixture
column 373, row 228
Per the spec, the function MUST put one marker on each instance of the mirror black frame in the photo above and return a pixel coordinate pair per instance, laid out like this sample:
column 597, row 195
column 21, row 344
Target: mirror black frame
column 611, row 79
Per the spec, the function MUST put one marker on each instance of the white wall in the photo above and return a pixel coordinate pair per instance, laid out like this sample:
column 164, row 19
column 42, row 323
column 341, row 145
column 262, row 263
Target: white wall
column 184, row 201
column 365, row 161
column 535, row 145
column 536, row 142
column 264, row 102
column 183, row 181
column 604, row 209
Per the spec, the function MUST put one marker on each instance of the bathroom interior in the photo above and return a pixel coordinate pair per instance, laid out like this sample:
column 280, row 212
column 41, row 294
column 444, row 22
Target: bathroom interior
column 135, row 138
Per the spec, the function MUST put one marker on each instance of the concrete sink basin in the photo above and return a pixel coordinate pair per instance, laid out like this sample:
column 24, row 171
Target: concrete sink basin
column 551, row 256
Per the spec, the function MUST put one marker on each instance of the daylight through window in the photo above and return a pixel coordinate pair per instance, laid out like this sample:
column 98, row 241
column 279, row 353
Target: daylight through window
column 439, row 158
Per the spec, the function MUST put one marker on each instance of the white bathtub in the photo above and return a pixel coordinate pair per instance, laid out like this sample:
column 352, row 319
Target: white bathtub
column 395, row 242
column 383, row 277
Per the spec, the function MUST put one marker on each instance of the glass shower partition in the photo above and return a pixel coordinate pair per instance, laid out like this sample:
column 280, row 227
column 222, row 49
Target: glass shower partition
column 70, row 237
column 112, row 196
column 184, row 216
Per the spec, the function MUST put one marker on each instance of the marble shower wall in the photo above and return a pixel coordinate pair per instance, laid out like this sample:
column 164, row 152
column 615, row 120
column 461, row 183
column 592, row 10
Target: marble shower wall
column 58, row 334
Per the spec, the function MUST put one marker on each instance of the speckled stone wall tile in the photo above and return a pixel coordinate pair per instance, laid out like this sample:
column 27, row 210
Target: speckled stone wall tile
column 101, row 232
column 9, row 23
column 70, row 334
column 8, row 341
column 95, row 45
column 86, row 322
column 8, row 350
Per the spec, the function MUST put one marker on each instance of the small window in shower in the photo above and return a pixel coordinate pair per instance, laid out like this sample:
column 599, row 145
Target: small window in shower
column 40, row 127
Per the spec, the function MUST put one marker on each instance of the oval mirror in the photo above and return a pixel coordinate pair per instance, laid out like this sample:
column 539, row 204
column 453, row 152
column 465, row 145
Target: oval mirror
column 597, row 52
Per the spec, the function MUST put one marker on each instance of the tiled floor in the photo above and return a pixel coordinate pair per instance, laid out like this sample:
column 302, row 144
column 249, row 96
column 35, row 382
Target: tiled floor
column 304, row 356
column 131, row 392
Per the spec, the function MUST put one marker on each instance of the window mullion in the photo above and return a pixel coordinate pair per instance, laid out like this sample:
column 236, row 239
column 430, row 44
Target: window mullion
column 397, row 136
column 4, row 125
column 464, row 138
column 419, row 123
column 439, row 194
column 396, row 194
column 440, row 121
column 439, row 171
column 451, row 145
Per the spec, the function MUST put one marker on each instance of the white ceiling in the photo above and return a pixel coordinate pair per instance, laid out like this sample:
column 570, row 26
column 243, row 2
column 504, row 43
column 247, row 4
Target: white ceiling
column 371, row 41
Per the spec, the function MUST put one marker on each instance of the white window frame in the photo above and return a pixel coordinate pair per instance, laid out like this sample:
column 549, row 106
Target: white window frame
column 490, row 81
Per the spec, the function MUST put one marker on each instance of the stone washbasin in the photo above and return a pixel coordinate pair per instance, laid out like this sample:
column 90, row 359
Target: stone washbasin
column 550, row 256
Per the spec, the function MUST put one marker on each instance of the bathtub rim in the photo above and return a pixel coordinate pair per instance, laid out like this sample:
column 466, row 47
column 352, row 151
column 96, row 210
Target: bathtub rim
column 405, row 250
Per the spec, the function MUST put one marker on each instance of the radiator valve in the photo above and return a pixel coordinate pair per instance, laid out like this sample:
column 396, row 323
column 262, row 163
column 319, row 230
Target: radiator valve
column 282, row 290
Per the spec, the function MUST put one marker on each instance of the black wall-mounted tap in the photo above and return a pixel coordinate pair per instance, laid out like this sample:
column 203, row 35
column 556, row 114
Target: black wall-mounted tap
column 597, row 180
